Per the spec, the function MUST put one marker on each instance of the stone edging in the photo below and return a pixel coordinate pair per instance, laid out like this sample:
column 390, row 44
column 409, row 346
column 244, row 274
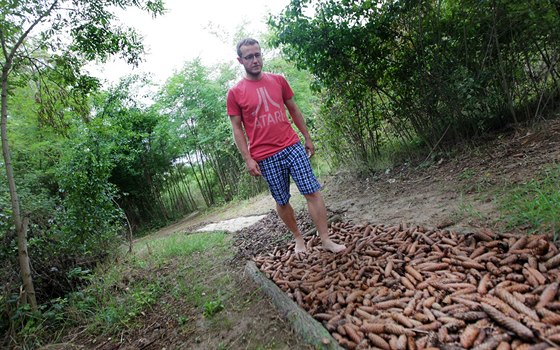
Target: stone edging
column 309, row 329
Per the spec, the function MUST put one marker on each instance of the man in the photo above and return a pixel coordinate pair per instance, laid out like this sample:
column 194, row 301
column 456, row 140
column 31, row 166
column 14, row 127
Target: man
column 270, row 146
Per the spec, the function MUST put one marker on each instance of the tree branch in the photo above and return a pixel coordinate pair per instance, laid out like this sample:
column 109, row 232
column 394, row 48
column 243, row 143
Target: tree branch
column 10, row 56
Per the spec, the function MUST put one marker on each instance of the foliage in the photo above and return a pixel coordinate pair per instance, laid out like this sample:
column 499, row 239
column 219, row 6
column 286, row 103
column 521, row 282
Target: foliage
column 193, row 101
column 89, row 223
column 143, row 154
column 438, row 70
column 212, row 307
column 119, row 295
column 44, row 46
column 535, row 204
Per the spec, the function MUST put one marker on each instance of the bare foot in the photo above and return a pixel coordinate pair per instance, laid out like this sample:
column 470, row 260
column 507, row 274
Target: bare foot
column 300, row 246
column 333, row 247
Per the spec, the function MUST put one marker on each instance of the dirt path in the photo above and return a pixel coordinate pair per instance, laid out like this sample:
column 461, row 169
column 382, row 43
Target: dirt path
column 455, row 191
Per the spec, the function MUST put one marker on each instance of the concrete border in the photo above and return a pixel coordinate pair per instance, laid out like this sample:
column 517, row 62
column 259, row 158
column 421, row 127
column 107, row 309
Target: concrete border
column 309, row 329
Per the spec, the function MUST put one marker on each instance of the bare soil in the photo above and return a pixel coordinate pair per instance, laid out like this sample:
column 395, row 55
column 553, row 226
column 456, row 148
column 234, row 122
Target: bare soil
column 456, row 191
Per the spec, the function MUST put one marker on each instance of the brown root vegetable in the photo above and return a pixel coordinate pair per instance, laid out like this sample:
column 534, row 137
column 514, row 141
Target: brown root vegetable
column 388, row 268
column 483, row 284
column 548, row 294
column 393, row 328
column 412, row 271
column 509, row 323
column 515, row 303
column 468, row 336
column 375, row 328
column 492, row 342
column 552, row 262
column 352, row 333
column 378, row 341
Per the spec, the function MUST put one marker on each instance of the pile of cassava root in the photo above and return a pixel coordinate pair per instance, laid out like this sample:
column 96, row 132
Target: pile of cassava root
column 411, row 288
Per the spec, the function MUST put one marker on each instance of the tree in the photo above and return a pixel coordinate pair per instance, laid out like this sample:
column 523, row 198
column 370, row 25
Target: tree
column 194, row 100
column 73, row 32
column 435, row 71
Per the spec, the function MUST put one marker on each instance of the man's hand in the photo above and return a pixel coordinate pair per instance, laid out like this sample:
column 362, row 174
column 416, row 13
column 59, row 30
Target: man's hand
column 253, row 167
column 309, row 148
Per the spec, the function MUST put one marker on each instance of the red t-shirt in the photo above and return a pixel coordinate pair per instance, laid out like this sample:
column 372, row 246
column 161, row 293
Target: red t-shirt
column 260, row 103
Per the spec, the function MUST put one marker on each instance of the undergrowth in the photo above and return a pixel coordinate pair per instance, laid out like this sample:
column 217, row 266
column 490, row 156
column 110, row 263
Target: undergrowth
column 120, row 293
column 534, row 205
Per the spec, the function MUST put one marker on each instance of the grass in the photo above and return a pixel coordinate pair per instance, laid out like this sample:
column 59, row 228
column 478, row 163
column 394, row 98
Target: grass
column 182, row 282
column 123, row 292
column 467, row 210
column 120, row 294
column 476, row 183
column 534, row 204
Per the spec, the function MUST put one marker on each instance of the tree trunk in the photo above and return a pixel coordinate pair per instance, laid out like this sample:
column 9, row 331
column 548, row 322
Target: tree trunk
column 504, row 79
column 21, row 226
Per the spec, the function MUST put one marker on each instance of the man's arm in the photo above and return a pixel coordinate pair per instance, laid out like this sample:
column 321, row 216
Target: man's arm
column 297, row 117
column 242, row 146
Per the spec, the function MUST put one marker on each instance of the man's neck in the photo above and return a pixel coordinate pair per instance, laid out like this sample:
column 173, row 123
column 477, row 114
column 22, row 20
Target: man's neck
column 253, row 76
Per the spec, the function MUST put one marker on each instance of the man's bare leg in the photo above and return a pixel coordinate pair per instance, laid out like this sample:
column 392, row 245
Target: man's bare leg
column 286, row 213
column 318, row 213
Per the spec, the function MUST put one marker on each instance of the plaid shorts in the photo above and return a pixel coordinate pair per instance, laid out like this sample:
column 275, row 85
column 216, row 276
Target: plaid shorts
column 277, row 169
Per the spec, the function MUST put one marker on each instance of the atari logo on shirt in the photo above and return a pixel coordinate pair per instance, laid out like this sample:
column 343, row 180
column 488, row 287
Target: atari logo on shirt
column 264, row 101
column 268, row 112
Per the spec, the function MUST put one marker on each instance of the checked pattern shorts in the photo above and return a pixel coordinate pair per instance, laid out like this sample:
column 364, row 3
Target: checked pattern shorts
column 277, row 169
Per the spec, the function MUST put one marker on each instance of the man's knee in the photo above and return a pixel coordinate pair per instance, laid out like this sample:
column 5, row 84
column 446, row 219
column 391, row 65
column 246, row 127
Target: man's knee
column 313, row 196
column 283, row 207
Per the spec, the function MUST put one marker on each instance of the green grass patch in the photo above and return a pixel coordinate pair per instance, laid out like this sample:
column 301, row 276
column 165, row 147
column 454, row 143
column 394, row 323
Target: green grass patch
column 182, row 245
column 162, row 271
column 534, row 205
column 467, row 210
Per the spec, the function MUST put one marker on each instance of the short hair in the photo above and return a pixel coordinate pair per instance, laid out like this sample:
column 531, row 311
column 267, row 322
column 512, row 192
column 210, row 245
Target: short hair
column 244, row 42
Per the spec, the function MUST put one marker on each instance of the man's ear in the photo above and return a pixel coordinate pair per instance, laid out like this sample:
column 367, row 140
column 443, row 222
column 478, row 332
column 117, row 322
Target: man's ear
column 240, row 60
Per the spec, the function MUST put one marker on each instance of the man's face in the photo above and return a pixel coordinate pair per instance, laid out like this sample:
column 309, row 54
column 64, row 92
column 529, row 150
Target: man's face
column 251, row 59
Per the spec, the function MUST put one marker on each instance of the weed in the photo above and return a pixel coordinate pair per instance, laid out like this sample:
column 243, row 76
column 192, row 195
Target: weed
column 212, row 307
column 466, row 210
column 466, row 174
column 183, row 320
column 535, row 204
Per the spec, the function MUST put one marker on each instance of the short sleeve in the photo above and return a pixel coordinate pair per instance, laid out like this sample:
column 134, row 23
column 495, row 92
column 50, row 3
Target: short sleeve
column 287, row 92
column 232, row 106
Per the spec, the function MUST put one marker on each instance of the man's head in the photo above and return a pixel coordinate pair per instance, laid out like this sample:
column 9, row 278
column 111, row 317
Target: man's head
column 249, row 55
